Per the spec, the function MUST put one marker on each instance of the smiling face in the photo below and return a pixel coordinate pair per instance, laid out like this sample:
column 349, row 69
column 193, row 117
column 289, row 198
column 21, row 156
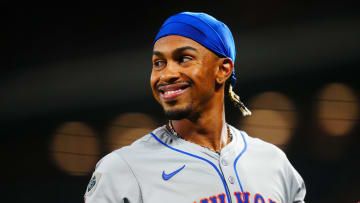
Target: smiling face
column 184, row 76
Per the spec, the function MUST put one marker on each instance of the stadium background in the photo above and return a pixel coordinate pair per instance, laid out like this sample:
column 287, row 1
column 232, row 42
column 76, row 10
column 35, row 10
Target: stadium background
column 74, row 85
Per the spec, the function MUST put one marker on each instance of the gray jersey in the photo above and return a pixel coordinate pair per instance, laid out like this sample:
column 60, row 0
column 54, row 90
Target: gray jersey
column 161, row 167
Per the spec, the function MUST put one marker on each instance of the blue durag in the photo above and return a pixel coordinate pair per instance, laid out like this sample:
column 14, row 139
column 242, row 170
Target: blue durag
column 204, row 29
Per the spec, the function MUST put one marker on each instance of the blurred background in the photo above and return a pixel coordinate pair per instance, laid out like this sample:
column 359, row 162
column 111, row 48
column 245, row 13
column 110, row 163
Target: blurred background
column 74, row 85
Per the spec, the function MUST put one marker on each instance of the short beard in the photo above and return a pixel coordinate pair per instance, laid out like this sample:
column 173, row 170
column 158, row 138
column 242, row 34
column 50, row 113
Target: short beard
column 178, row 114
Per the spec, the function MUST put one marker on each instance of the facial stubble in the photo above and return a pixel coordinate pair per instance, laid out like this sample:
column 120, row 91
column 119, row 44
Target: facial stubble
column 178, row 113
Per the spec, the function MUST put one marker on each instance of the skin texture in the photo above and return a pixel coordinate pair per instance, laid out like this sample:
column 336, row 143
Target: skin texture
column 199, row 76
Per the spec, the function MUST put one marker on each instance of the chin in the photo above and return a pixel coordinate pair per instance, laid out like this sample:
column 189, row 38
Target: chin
column 177, row 114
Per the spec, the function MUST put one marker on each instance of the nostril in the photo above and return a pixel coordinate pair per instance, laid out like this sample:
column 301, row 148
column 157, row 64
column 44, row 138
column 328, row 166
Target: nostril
column 169, row 77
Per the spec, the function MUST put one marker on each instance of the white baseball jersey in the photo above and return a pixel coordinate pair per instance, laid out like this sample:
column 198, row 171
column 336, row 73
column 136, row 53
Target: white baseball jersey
column 161, row 167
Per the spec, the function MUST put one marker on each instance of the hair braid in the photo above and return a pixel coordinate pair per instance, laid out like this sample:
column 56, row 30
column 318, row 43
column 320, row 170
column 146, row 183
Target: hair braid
column 236, row 100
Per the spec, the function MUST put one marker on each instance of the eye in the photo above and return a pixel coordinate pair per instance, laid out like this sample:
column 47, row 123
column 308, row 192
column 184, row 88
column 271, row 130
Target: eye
column 184, row 59
column 159, row 63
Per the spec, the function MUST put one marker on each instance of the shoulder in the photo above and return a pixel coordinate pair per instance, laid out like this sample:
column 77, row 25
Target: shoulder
column 111, row 163
column 262, row 155
column 259, row 149
column 113, row 180
column 147, row 144
column 140, row 149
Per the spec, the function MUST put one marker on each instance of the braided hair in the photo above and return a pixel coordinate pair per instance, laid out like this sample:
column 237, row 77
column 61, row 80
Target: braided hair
column 235, row 99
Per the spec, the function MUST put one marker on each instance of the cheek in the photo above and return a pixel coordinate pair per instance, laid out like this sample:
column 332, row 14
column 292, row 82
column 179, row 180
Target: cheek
column 204, row 76
column 153, row 80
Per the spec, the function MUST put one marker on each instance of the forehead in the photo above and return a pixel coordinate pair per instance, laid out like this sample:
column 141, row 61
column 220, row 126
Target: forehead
column 172, row 42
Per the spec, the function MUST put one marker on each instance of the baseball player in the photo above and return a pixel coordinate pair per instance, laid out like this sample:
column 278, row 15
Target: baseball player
column 196, row 156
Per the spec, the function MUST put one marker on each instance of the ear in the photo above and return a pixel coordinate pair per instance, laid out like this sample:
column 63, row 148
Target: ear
column 224, row 70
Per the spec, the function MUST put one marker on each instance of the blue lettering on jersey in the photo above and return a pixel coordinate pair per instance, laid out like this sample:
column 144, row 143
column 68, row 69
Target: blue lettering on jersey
column 221, row 198
column 204, row 200
column 213, row 199
column 258, row 197
column 241, row 197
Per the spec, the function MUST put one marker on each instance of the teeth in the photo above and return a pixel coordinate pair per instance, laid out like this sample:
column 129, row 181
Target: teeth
column 172, row 92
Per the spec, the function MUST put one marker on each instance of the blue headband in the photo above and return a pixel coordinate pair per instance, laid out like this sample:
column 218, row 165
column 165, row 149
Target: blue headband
column 204, row 29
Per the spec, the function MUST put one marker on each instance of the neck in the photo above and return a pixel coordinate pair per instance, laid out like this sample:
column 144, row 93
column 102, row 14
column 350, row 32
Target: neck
column 208, row 130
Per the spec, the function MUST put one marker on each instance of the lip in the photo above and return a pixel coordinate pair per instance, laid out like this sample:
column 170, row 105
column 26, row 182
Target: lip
column 172, row 91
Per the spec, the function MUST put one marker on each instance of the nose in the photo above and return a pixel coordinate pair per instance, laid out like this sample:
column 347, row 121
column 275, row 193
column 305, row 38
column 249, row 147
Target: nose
column 170, row 73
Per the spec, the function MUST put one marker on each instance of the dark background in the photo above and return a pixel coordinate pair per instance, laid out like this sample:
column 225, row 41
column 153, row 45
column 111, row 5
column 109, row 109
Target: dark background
column 90, row 64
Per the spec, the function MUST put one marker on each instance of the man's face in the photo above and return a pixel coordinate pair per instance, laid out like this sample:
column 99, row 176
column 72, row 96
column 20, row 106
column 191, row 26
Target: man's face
column 183, row 76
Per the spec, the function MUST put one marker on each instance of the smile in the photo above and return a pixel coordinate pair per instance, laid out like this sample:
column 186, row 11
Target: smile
column 170, row 92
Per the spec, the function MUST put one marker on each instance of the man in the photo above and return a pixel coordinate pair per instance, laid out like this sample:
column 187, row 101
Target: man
column 197, row 156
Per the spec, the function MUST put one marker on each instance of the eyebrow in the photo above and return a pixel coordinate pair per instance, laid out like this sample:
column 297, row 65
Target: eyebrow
column 176, row 51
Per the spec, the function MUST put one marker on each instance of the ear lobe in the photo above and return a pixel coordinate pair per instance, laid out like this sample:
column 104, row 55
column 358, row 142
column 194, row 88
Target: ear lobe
column 225, row 69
